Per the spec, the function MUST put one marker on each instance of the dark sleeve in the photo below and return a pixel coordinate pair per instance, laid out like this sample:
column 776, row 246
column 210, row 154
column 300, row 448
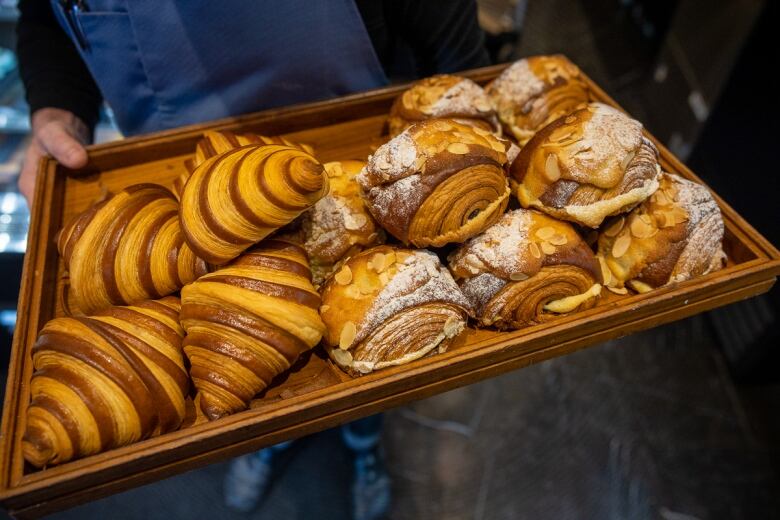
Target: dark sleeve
column 52, row 71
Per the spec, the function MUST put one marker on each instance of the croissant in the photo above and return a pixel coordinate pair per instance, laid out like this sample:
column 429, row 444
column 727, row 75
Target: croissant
column 526, row 269
column 127, row 249
column 443, row 96
column 438, row 182
column 675, row 235
column 105, row 381
column 339, row 225
column 535, row 91
column 235, row 199
column 247, row 323
column 388, row 306
column 587, row 166
column 215, row 142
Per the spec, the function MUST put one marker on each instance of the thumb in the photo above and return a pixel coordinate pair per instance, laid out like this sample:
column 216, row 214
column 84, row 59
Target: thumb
column 60, row 144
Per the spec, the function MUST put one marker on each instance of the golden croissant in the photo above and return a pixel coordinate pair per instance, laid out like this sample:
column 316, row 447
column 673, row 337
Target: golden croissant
column 388, row 306
column 126, row 249
column 535, row 91
column 236, row 199
column 105, row 381
column 587, row 166
column 526, row 269
column 247, row 323
column 440, row 181
column 215, row 142
column 673, row 236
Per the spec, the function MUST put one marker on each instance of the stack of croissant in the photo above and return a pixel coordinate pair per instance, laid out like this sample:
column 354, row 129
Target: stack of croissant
column 507, row 206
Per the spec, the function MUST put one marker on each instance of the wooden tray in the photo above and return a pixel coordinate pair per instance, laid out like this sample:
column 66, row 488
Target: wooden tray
column 315, row 395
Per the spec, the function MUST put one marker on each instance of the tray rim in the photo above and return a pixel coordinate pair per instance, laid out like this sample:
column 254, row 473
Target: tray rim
column 520, row 347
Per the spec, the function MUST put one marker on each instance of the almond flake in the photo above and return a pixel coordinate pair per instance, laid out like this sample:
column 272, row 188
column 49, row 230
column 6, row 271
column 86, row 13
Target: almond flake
column 551, row 169
column 324, row 309
column 518, row 277
column 569, row 120
column 620, row 246
column 618, row 290
column 384, row 278
column 355, row 222
column 534, row 250
column 615, row 228
column 344, row 276
column 545, row 233
column 342, row 357
column 458, row 148
column 348, row 333
column 606, row 273
column 558, row 240
column 640, row 229
column 548, row 248
column 378, row 262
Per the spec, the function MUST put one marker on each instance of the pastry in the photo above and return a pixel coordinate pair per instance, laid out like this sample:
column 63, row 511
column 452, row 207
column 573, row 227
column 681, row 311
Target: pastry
column 247, row 323
column 526, row 269
column 535, row 91
column 235, row 199
column 339, row 225
column 673, row 236
column 215, row 142
column 105, row 381
column 126, row 249
column 388, row 306
column 437, row 182
column 586, row 166
column 443, row 96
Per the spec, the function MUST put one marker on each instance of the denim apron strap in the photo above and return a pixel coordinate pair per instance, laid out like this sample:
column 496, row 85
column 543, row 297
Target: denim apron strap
column 162, row 64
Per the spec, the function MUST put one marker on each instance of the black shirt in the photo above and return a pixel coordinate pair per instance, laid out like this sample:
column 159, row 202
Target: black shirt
column 412, row 38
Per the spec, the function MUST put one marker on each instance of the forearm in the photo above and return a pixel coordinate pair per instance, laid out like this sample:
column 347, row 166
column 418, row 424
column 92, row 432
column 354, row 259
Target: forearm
column 52, row 71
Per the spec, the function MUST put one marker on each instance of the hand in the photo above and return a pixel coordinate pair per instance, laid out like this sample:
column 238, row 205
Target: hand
column 57, row 133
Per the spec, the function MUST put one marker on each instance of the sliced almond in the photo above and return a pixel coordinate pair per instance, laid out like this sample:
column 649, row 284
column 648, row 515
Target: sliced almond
column 569, row 120
column 497, row 145
column 618, row 290
column 324, row 309
column 482, row 105
column 348, row 333
column 615, row 227
column 364, row 285
column 384, row 278
column 548, row 248
column 518, row 277
column 335, row 170
column 458, row 148
column 534, row 250
column 660, row 218
column 341, row 357
column 545, row 233
column 378, row 262
column 641, row 229
column 551, row 169
column 558, row 239
column 606, row 273
column 620, row 246
column 372, row 237
column 355, row 221
column 344, row 276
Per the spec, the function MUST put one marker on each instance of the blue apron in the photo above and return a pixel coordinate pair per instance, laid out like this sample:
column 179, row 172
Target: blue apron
column 162, row 64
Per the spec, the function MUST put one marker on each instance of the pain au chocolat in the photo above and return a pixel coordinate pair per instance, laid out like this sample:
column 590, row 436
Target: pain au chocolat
column 105, row 381
column 673, row 236
column 127, row 249
column 443, row 96
column 437, row 182
column 215, row 142
column 235, row 199
column 526, row 269
column 338, row 225
column 247, row 323
column 535, row 91
column 388, row 306
column 586, row 166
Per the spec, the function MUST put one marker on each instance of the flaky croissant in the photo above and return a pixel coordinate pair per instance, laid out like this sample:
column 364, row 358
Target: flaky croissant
column 535, row 91
column 235, row 199
column 586, row 166
column 247, row 323
column 438, row 182
column 526, row 269
column 673, row 236
column 215, row 142
column 388, row 306
column 105, row 381
column 127, row 249
column 443, row 96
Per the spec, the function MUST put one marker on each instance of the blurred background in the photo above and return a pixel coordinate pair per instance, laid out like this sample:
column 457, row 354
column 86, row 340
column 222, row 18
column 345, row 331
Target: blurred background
column 679, row 423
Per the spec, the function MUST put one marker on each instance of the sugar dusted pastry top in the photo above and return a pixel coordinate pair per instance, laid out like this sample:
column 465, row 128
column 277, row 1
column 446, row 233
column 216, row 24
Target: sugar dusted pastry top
column 442, row 96
column 586, row 166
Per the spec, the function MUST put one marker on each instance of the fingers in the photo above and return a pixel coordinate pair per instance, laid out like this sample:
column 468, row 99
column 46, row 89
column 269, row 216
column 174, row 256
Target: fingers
column 29, row 169
column 55, row 139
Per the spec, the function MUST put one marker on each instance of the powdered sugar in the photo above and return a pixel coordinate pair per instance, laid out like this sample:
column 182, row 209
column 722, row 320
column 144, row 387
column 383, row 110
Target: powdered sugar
column 464, row 98
column 481, row 289
column 393, row 160
column 398, row 200
column 420, row 279
column 515, row 87
column 326, row 222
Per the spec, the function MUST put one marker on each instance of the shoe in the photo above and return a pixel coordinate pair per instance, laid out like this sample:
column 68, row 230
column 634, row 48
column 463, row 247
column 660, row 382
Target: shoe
column 370, row 487
column 247, row 480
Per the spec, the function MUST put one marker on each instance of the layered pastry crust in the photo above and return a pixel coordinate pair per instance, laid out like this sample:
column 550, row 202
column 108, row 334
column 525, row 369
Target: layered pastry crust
column 673, row 236
column 105, row 381
column 587, row 166
column 535, row 91
column 127, row 249
column 439, row 181
column 444, row 97
column 388, row 306
column 526, row 269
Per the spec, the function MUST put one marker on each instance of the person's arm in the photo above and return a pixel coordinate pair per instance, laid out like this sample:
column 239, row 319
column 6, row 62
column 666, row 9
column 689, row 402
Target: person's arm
column 64, row 100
